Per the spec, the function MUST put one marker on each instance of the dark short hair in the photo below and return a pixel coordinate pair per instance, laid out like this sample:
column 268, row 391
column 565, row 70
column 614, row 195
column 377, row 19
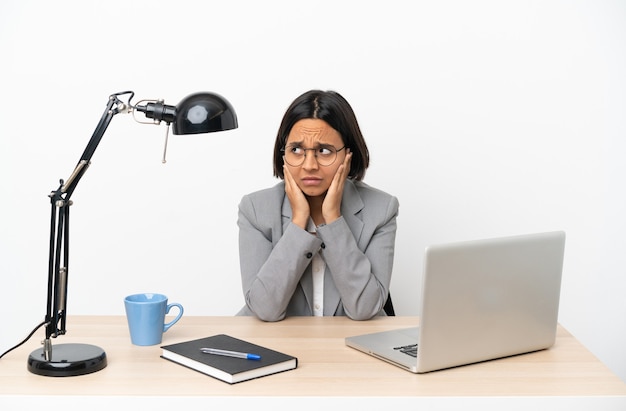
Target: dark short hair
column 335, row 110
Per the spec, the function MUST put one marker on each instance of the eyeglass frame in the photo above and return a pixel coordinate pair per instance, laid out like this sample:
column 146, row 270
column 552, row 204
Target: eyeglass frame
column 337, row 150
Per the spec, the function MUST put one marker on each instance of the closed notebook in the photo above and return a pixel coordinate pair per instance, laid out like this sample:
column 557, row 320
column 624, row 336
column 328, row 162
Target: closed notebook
column 228, row 369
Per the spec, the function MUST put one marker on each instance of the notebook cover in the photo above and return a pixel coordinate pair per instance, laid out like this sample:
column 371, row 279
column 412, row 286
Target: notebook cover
column 228, row 369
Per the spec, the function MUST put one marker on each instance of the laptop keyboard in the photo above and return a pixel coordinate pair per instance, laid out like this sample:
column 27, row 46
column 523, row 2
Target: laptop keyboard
column 410, row 349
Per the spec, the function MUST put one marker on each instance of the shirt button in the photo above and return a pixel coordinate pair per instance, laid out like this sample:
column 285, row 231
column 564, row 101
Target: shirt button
column 323, row 245
column 309, row 255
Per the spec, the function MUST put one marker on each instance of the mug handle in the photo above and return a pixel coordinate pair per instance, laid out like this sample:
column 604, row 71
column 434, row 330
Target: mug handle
column 167, row 326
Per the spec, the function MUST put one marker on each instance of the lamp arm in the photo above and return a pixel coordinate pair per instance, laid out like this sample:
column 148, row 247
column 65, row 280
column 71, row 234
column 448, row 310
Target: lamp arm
column 59, row 227
column 114, row 106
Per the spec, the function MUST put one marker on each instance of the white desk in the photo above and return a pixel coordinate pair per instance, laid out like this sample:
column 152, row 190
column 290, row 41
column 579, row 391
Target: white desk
column 567, row 375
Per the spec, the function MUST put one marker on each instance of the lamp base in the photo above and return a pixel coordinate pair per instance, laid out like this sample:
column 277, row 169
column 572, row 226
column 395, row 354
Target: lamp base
column 68, row 360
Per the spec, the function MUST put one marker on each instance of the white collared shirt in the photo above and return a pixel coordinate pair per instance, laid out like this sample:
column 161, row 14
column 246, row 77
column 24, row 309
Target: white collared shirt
column 318, row 267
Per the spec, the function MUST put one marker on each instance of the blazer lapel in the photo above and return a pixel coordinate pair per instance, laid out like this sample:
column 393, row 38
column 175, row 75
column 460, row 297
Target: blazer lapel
column 351, row 205
column 286, row 211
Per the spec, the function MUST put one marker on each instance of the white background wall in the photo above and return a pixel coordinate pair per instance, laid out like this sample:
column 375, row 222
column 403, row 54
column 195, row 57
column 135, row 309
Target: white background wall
column 485, row 118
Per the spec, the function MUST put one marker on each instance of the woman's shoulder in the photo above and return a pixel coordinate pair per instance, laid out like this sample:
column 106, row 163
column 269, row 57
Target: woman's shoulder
column 373, row 201
column 272, row 194
column 368, row 192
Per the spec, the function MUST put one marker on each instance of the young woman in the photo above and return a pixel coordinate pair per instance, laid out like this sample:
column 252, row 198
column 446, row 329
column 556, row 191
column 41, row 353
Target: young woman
column 320, row 242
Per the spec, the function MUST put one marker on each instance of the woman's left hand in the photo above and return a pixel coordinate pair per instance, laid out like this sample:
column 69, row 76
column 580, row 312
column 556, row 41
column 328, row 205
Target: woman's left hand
column 331, row 208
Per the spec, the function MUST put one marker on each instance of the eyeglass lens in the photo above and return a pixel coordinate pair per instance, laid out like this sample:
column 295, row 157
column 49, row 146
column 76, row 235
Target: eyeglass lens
column 325, row 155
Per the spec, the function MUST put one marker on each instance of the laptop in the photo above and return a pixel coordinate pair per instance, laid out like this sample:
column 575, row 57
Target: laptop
column 481, row 300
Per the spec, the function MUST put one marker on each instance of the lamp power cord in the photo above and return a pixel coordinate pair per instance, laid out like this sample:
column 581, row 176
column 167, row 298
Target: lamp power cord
column 24, row 341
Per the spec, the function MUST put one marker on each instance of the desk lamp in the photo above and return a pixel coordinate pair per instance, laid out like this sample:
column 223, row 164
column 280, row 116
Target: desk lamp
column 196, row 113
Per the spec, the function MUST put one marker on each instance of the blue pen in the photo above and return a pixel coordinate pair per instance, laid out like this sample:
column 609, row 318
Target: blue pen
column 227, row 353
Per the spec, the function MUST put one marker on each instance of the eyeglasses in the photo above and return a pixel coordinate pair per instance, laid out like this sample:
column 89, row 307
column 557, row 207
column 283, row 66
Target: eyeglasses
column 324, row 154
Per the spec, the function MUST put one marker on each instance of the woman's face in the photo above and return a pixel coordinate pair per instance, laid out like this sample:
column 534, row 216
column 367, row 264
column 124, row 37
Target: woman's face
column 312, row 178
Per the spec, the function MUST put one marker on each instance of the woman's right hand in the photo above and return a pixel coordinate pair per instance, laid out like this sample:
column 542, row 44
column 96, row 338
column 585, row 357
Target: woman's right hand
column 299, row 204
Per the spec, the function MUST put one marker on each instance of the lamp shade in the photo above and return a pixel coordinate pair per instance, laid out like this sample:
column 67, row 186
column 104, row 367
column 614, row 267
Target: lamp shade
column 204, row 113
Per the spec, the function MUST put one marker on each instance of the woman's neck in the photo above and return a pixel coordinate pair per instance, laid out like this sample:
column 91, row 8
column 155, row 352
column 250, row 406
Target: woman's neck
column 315, row 207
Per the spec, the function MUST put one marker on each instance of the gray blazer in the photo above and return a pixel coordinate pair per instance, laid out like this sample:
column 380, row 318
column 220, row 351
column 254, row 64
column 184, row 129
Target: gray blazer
column 275, row 255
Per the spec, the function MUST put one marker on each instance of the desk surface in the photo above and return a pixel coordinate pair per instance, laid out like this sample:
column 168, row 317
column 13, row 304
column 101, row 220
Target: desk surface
column 326, row 366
